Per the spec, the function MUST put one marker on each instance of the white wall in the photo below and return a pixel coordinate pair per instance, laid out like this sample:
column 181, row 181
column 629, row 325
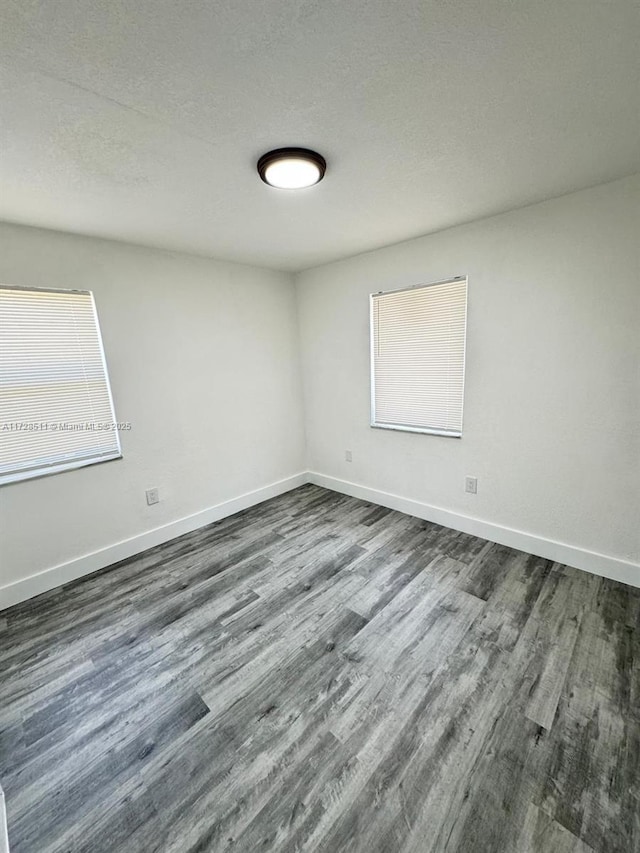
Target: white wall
column 552, row 398
column 203, row 361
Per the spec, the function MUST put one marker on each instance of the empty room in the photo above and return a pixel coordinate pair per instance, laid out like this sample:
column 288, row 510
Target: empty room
column 319, row 426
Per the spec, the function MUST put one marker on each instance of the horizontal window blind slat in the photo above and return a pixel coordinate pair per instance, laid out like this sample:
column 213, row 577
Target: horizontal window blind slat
column 418, row 349
column 54, row 388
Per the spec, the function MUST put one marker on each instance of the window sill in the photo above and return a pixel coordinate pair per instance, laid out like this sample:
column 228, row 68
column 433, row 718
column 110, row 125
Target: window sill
column 46, row 471
column 424, row 430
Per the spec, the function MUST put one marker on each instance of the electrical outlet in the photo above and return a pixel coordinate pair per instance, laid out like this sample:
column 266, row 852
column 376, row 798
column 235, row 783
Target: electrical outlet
column 348, row 455
column 471, row 485
column 153, row 496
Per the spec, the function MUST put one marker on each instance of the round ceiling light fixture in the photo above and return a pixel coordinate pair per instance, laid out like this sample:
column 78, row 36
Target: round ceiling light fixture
column 291, row 168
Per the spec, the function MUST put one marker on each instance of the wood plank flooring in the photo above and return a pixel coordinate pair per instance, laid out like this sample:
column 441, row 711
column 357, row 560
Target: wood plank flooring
column 321, row 674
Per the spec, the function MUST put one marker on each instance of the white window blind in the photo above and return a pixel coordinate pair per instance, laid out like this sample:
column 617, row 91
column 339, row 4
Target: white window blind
column 56, row 410
column 417, row 358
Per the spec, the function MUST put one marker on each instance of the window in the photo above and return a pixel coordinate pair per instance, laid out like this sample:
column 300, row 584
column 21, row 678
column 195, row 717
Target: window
column 56, row 411
column 417, row 358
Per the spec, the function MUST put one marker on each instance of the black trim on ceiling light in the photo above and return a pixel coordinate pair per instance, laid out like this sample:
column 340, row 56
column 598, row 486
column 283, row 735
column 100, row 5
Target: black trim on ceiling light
column 291, row 154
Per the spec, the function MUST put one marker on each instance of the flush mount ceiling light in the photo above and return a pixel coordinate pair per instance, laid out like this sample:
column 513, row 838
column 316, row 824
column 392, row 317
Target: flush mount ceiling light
column 291, row 168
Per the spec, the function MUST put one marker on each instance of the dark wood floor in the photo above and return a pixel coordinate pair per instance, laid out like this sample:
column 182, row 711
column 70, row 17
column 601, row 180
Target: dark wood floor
column 318, row 673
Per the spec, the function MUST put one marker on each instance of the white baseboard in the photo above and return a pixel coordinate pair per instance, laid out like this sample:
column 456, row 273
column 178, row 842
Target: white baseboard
column 58, row 575
column 4, row 837
column 590, row 561
column 569, row 555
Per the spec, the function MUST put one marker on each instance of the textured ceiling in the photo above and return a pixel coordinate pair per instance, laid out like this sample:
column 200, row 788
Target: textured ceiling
column 141, row 120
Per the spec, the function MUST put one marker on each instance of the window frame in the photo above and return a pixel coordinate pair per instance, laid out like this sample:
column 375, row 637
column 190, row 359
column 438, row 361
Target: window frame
column 372, row 381
column 69, row 465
